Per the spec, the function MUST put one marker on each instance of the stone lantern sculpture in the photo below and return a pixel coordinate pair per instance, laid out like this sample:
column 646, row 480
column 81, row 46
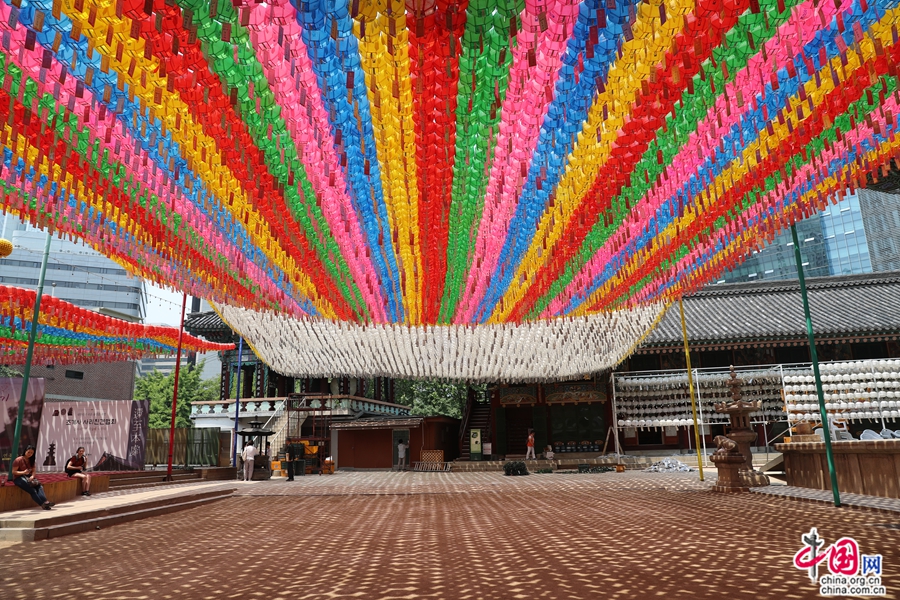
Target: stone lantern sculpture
column 733, row 458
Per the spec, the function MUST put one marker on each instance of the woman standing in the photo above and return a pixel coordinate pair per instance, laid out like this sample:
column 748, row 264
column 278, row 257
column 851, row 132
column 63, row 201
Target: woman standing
column 23, row 473
column 76, row 467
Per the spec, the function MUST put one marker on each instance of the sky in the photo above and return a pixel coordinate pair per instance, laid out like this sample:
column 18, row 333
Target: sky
column 164, row 306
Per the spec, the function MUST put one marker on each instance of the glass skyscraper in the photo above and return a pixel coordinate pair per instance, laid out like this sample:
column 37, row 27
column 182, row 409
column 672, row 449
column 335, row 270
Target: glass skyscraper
column 860, row 234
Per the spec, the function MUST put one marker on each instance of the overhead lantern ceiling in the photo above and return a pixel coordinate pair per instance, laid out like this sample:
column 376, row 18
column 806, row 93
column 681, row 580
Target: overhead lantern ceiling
column 463, row 164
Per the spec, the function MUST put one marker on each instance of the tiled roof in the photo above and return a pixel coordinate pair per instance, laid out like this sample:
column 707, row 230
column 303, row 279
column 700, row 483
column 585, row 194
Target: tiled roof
column 407, row 423
column 210, row 326
column 204, row 321
column 857, row 306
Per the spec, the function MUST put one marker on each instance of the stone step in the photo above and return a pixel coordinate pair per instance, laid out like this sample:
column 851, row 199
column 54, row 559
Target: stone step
column 132, row 482
column 630, row 462
column 155, row 484
column 50, row 525
column 114, row 476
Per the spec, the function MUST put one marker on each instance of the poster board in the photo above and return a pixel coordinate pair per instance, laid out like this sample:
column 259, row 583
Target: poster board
column 10, row 392
column 113, row 433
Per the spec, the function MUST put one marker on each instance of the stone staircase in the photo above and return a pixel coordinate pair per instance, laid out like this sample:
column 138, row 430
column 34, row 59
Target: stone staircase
column 128, row 480
column 75, row 517
column 279, row 426
column 559, row 463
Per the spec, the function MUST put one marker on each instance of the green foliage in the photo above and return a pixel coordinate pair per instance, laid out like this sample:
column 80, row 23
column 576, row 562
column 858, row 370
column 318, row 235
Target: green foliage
column 432, row 398
column 158, row 388
column 515, row 467
column 7, row 371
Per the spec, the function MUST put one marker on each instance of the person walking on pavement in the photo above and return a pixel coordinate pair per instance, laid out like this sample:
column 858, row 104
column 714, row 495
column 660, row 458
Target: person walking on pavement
column 401, row 455
column 530, row 444
column 249, row 454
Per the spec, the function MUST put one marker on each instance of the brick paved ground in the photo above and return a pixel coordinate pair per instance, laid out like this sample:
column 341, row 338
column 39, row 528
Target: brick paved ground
column 437, row 535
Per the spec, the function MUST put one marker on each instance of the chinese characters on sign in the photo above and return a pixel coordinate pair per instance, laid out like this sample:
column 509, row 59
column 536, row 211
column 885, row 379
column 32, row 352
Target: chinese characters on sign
column 851, row 573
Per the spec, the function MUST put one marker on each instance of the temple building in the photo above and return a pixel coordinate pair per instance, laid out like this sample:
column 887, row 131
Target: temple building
column 757, row 325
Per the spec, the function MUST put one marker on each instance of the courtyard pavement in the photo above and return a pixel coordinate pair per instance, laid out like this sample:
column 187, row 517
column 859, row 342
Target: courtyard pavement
column 456, row 536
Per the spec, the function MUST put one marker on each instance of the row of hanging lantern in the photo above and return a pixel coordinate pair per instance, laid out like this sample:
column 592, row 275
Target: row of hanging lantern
column 564, row 348
column 856, row 390
column 662, row 400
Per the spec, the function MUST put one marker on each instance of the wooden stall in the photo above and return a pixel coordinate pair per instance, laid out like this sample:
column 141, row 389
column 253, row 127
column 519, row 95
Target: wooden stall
column 870, row 467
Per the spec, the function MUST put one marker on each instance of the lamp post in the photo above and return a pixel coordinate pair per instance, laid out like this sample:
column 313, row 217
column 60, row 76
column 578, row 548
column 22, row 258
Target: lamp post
column 32, row 335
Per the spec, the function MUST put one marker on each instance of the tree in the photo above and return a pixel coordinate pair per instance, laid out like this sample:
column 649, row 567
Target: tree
column 432, row 398
column 158, row 389
column 7, row 371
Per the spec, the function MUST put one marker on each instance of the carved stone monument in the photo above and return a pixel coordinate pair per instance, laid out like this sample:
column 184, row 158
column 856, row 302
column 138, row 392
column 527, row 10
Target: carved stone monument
column 734, row 460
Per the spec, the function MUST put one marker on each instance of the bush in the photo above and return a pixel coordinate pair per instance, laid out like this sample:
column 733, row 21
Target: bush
column 515, row 467
column 544, row 471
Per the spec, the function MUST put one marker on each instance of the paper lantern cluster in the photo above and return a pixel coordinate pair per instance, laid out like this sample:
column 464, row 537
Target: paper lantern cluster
column 440, row 162
column 68, row 334
column 558, row 349
column 663, row 400
column 854, row 391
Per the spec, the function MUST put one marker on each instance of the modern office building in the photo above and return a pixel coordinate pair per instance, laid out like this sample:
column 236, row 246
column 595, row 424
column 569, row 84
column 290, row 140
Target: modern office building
column 860, row 234
column 76, row 274
column 210, row 362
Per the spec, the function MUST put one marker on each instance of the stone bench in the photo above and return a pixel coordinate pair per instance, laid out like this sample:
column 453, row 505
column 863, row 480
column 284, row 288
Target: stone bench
column 58, row 487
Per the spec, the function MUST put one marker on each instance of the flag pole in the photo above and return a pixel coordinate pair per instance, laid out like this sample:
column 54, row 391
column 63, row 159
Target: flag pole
column 687, row 359
column 814, row 357
column 29, row 356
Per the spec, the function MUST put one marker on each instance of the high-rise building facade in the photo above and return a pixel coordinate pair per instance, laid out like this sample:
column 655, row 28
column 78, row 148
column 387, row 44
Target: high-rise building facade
column 76, row 274
column 859, row 234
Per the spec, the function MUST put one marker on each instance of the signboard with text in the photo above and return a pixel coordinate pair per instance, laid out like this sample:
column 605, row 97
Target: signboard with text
column 10, row 392
column 113, row 433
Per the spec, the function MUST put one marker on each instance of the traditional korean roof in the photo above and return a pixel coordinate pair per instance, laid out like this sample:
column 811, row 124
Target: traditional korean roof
column 210, row 325
column 857, row 307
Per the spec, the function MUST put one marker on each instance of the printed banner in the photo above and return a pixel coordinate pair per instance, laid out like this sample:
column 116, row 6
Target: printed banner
column 10, row 391
column 113, row 433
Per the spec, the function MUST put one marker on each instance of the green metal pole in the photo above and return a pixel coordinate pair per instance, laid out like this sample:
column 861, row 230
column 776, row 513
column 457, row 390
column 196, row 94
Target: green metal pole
column 687, row 360
column 14, row 450
column 826, row 428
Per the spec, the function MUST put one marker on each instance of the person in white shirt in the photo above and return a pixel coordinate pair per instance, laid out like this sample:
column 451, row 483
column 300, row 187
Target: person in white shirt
column 248, row 455
column 401, row 455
